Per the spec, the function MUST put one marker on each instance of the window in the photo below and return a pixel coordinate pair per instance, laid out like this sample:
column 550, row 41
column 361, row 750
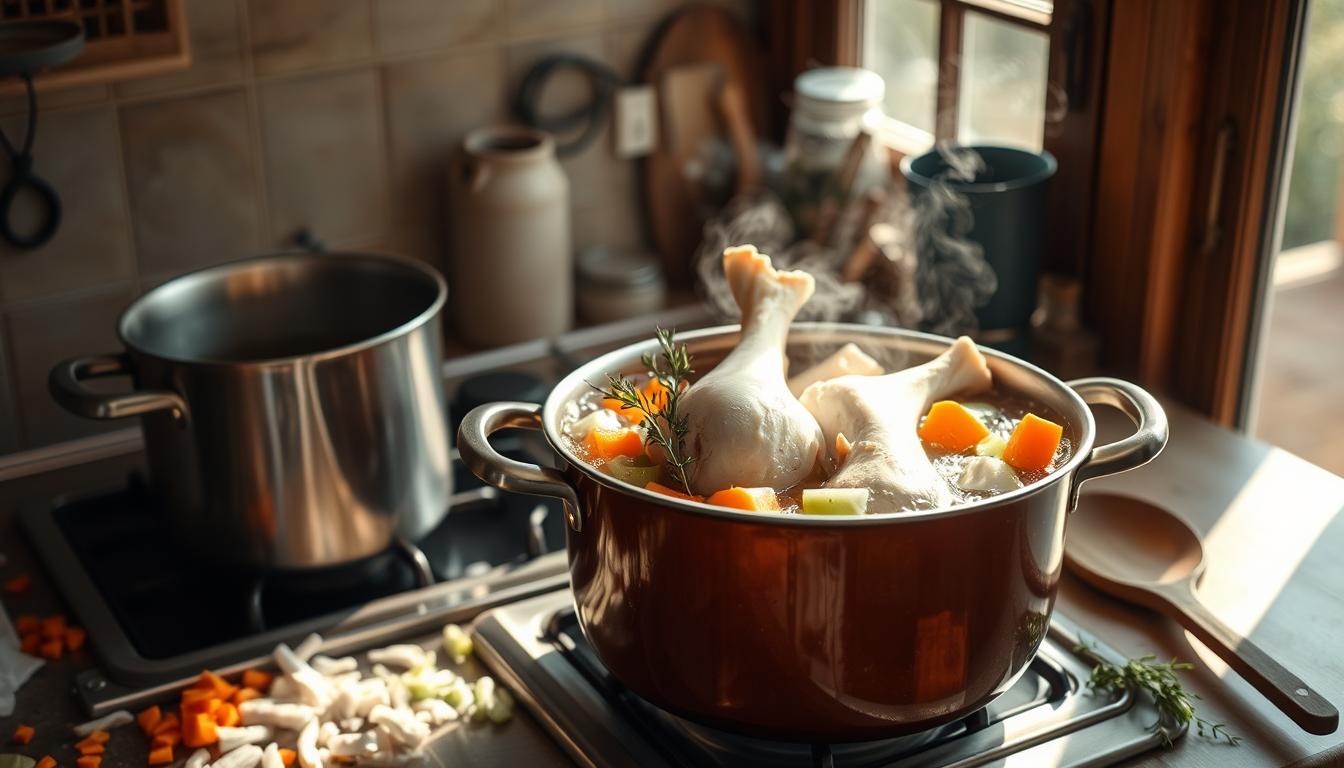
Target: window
column 970, row 70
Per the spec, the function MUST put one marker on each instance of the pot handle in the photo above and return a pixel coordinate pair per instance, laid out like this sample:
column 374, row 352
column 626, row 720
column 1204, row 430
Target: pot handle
column 1133, row 451
column 473, row 444
column 66, row 384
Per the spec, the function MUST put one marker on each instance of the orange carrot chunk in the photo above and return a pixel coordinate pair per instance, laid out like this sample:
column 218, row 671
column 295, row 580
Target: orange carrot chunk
column 30, row 643
column 168, row 722
column 226, row 715
column 750, row 499
column 53, row 627
column 198, row 730
column 100, row 736
column 89, row 761
column 149, row 718
column 47, row 761
column 223, row 688
column 161, row 755
column 19, row 584
column 287, row 756
column 1033, row 443
column 951, row 427
column 52, row 649
column 258, row 679
column 607, row 444
column 245, row 694
column 26, row 623
column 86, row 748
column 22, row 734
column 663, row 489
column 74, row 638
column 166, row 739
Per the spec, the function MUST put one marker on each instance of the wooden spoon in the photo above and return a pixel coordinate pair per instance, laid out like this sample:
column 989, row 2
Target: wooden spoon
column 1137, row 552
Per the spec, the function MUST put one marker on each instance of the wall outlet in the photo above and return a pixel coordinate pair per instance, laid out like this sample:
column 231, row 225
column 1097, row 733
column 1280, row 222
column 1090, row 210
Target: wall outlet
column 636, row 121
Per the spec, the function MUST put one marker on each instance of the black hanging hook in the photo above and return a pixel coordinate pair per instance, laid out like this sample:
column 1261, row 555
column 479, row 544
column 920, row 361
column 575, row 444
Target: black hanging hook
column 21, row 177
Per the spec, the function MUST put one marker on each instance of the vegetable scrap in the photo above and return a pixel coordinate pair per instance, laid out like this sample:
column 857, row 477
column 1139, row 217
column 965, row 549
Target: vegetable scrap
column 951, row 427
column 1033, row 443
column 51, row 637
column 749, row 499
column 22, row 734
column 18, row 585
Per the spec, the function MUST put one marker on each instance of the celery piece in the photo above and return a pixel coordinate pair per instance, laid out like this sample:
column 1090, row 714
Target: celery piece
column 992, row 445
column 835, row 501
column 635, row 470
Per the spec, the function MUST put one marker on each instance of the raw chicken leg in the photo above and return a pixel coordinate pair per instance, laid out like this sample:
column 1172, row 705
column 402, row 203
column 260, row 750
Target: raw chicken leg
column 745, row 427
column 880, row 415
column 845, row 360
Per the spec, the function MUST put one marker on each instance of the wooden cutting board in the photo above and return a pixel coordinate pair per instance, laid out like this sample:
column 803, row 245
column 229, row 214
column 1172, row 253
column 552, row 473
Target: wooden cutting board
column 696, row 54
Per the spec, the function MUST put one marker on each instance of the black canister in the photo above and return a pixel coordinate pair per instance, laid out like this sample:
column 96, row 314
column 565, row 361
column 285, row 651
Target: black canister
column 1005, row 192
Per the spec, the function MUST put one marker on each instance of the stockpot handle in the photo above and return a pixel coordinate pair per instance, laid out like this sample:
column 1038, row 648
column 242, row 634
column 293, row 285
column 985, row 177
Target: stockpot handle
column 1138, row 449
column 66, row 384
column 473, row 444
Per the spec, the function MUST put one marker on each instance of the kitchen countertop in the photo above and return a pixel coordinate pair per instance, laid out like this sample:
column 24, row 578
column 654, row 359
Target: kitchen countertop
column 1273, row 535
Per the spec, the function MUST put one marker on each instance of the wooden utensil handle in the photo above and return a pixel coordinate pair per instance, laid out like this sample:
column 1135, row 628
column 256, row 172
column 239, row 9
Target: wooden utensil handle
column 1294, row 698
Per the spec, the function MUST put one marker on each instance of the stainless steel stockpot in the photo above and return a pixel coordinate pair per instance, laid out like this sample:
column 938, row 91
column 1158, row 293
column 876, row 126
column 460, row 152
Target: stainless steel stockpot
column 292, row 405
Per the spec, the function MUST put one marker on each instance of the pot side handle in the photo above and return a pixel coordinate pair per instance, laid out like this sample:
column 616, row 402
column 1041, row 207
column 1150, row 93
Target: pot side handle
column 1138, row 449
column 473, row 444
column 66, row 384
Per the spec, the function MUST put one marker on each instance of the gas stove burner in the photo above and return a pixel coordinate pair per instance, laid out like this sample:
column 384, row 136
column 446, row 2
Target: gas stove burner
column 1046, row 718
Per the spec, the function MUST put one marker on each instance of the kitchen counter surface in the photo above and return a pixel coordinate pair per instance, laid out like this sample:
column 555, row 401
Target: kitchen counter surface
column 1273, row 534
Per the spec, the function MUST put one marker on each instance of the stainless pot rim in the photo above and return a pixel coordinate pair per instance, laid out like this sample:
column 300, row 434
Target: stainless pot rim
column 186, row 281
column 620, row 359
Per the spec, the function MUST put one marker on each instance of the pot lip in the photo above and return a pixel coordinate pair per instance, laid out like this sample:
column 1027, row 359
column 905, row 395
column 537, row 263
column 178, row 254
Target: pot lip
column 420, row 319
column 550, row 417
column 1047, row 170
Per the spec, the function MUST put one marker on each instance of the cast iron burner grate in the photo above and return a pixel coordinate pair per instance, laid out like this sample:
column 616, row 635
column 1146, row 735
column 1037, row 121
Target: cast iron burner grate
column 1046, row 718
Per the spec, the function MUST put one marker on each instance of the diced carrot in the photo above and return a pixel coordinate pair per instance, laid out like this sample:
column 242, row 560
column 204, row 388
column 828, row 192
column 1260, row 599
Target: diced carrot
column 951, row 427
column 53, row 627
column 287, row 756
column 198, row 730
column 634, row 415
column 750, row 499
column 74, row 638
column 149, row 718
column 1033, row 443
column 161, row 755
column 223, row 688
column 607, row 444
column 22, row 734
column 166, row 739
column 89, row 761
column 257, row 678
column 226, row 715
column 663, row 489
column 19, row 584
column 25, row 623
column 168, row 722
column 52, row 649
column 90, row 748
column 245, row 694
column 208, row 706
column 87, row 742
column 47, row 761
column 842, row 447
column 30, row 643
column 655, row 394
column 100, row 736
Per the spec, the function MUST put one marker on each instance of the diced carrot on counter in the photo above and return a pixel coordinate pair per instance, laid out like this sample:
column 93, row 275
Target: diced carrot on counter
column 100, row 736
column 161, row 756
column 26, row 623
column 166, row 739
column 47, row 761
column 22, row 734
column 750, row 499
column 951, row 427
column 245, row 694
column 168, row 722
column 198, row 730
column 287, row 756
column 19, row 584
column 210, row 681
column 227, row 715
column 607, row 444
column 53, row 627
column 94, row 748
column 663, row 489
column 30, row 643
column 195, row 700
column 149, row 718
column 89, row 761
column 257, row 678
column 74, row 638
column 1033, row 443
column 52, row 649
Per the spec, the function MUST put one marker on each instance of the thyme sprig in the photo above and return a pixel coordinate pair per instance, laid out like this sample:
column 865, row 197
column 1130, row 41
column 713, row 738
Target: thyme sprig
column 663, row 423
column 1159, row 679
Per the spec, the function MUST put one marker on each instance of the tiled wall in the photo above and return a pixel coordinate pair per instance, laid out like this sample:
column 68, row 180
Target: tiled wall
column 332, row 115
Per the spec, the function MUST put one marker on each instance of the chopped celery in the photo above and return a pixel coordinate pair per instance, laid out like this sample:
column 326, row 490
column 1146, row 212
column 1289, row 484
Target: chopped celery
column 639, row 471
column 992, row 445
column 835, row 501
column 457, row 643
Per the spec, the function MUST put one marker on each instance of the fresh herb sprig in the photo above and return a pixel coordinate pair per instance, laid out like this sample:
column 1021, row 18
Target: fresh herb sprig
column 664, row 424
column 1146, row 673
